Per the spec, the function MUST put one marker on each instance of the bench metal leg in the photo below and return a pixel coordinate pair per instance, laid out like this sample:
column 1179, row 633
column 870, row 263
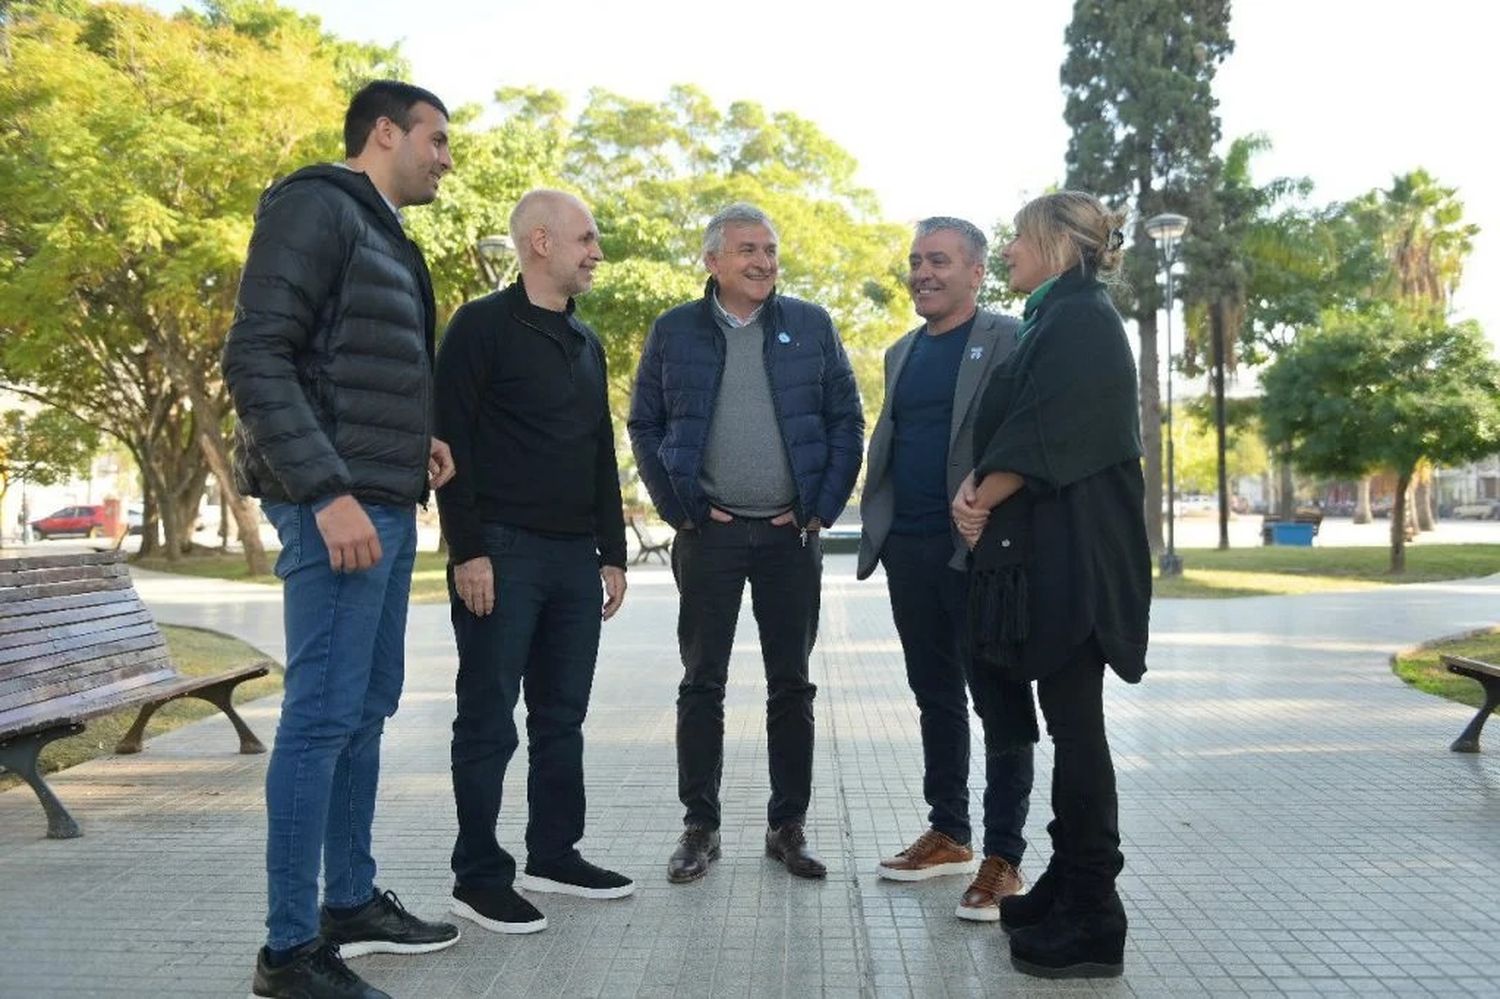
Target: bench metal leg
column 21, row 757
column 220, row 695
column 1468, row 742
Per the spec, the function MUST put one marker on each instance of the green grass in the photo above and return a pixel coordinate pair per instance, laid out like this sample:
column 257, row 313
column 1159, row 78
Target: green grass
column 196, row 652
column 1420, row 667
column 1280, row 571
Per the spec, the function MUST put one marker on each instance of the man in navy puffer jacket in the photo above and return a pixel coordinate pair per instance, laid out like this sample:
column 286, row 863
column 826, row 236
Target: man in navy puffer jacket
column 748, row 433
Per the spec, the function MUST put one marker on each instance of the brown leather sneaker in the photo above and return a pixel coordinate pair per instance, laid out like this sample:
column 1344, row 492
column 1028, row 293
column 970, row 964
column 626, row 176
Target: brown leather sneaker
column 996, row 879
column 931, row 856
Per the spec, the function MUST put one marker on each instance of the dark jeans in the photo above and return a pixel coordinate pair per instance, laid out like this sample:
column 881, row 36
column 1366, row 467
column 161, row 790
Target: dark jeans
column 711, row 565
column 929, row 602
column 1085, row 827
column 544, row 631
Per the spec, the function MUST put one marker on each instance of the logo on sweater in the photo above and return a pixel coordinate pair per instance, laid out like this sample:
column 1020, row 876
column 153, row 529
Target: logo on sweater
column 975, row 353
column 784, row 337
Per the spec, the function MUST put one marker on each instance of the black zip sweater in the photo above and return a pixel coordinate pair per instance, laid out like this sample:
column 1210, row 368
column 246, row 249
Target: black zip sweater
column 522, row 400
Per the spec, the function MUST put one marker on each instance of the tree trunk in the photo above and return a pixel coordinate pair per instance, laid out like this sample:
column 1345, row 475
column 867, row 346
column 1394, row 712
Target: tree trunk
column 1216, row 315
column 1151, row 431
column 1362, row 513
column 1398, row 522
column 245, row 512
column 1423, row 495
column 1286, row 500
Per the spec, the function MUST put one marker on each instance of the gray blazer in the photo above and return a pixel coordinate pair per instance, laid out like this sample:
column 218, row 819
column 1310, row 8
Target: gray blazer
column 990, row 342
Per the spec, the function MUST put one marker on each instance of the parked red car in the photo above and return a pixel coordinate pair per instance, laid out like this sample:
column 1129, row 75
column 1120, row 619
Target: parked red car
column 85, row 520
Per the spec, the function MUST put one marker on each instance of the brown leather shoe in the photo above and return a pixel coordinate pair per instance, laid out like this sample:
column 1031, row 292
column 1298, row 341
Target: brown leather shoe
column 697, row 847
column 931, row 856
column 997, row 878
column 789, row 845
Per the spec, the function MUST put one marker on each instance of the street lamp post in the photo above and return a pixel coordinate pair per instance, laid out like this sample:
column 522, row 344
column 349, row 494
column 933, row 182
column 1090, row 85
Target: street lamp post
column 497, row 257
column 1166, row 231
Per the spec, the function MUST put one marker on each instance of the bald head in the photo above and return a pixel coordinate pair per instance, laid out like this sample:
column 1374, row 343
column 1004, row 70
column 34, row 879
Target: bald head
column 558, row 246
column 541, row 209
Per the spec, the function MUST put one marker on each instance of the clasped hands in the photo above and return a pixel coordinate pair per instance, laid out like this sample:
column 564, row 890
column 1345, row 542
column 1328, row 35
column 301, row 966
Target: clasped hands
column 968, row 516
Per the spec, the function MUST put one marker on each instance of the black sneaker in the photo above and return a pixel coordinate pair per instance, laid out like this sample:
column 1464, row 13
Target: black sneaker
column 315, row 972
column 384, row 926
column 576, row 876
column 499, row 910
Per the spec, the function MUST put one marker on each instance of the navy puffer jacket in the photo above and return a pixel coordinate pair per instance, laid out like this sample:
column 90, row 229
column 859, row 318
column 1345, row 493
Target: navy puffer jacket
column 812, row 385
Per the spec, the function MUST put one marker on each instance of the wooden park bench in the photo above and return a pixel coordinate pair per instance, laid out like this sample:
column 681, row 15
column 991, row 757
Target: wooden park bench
column 647, row 546
column 75, row 643
column 1488, row 676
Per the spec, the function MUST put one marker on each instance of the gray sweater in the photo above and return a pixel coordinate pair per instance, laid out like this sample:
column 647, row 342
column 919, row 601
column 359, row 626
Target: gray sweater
column 745, row 468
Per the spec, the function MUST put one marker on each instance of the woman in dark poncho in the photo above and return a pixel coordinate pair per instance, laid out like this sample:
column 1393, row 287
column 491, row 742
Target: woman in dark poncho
column 1061, row 570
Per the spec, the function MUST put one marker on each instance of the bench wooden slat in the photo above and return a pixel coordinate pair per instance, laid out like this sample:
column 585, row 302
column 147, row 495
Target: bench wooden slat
column 69, row 696
column 60, row 574
column 53, row 561
column 95, row 662
column 129, row 693
column 89, row 671
column 66, row 649
column 20, row 593
column 41, row 605
column 73, row 623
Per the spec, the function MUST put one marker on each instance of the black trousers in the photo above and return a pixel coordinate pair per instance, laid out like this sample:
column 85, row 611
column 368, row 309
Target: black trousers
column 1085, row 827
column 541, row 641
column 712, row 564
column 929, row 602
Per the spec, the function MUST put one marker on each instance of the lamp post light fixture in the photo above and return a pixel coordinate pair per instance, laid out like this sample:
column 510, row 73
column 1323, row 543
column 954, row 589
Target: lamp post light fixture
column 1166, row 231
column 497, row 259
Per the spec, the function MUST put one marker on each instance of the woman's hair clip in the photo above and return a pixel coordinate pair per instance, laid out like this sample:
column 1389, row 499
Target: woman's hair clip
column 1116, row 239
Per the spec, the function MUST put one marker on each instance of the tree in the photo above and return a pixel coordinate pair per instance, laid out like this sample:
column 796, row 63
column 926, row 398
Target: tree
column 44, row 448
column 1138, row 78
column 1420, row 227
column 1216, row 286
column 1386, row 387
column 653, row 174
column 136, row 149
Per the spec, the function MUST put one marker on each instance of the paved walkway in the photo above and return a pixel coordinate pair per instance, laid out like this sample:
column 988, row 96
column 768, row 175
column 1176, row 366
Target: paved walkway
column 1293, row 824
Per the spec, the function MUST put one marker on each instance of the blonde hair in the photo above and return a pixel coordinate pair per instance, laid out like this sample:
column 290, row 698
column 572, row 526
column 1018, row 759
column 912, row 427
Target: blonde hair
column 1071, row 227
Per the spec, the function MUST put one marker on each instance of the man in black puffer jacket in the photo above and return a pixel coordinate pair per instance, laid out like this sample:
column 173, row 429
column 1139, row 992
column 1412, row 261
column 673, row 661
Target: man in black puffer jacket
column 748, row 433
column 329, row 362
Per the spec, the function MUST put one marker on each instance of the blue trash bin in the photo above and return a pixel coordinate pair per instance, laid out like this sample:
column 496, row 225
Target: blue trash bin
column 1292, row 533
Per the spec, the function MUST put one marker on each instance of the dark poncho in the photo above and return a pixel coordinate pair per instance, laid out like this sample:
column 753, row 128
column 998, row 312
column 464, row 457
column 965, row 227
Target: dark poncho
column 1065, row 560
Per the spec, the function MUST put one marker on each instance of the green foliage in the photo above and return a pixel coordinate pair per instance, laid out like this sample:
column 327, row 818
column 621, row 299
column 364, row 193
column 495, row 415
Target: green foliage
column 135, row 149
column 653, row 174
column 1196, row 445
column 45, row 447
column 1139, row 84
column 1384, row 388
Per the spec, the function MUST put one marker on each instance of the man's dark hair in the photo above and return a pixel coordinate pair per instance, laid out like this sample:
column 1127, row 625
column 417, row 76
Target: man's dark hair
column 382, row 99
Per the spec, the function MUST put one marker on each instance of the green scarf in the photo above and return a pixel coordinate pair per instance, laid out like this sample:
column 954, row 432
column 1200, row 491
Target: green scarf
column 1033, row 303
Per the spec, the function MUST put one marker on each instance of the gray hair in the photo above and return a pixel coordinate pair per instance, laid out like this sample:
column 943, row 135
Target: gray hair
column 739, row 213
column 976, row 246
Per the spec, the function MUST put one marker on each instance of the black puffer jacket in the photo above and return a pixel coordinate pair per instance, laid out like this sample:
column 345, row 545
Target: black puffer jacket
column 329, row 360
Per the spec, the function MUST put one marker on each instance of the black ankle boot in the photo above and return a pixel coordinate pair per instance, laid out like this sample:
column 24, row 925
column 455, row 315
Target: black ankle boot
column 1031, row 908
column 1075, row 940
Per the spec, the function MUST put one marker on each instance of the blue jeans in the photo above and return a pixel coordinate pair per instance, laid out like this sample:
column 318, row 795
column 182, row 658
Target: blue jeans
column 346, row 658
column 543, row 636
column 929, row 602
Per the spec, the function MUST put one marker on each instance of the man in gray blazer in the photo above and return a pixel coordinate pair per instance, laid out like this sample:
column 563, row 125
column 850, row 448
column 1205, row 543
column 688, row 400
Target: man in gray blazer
column 920, row 452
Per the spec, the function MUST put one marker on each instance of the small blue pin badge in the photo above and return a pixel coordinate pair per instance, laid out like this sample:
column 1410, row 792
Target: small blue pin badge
column 784, row 337
column 975, row 353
